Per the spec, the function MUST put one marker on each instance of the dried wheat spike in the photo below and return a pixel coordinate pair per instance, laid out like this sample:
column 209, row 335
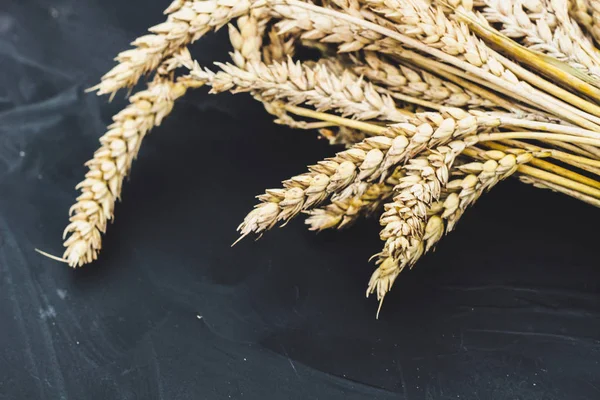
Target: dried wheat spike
column 341, row 135
column 186, row 22
column 417, row 235
column 480, row 176
column 581, row 12
column 298, row 83
column 343, row 213
column 342, row 175
column 311, row 26
column 278, row 47
column 415, row 19
column 405, row 218
column 247, row 38
column 595, row 23
column 432, row 27
column 544, row 26
column 111, row 163
column 415, row 82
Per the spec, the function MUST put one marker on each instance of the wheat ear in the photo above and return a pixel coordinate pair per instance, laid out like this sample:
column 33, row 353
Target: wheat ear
column 415, row 82
column 279, row 47
column 343, row 213
column 371, row 158
column 433, row 33
column 594, row 6
column 187, row 22
column 300, row 83
column 581, row 12
column 112, row 162
column 420, row 216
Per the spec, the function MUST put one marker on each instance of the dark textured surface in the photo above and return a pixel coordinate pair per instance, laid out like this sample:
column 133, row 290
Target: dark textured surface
column 508, row 307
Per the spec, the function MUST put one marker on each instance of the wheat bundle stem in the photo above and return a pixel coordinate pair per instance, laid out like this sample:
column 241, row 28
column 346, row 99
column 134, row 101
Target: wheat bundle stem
column 542, row 184
column 571, row 159
column 547, row 166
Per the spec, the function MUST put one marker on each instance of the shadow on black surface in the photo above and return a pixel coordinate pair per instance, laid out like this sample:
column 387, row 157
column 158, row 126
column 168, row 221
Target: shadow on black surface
column 507, row 307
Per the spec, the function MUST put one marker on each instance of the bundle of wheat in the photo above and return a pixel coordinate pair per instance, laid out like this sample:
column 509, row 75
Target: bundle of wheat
column 435, row 102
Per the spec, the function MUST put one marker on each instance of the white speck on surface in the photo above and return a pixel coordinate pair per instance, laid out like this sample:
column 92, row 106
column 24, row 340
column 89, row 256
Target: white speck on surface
column 244, row 358
column 77, row 342
column 49, row 312
column 22, row 153
column 61, row 293
column 199, row 316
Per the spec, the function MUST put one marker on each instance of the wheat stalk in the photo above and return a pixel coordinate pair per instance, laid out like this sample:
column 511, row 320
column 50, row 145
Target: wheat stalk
column 542, row 184
column 187, row 22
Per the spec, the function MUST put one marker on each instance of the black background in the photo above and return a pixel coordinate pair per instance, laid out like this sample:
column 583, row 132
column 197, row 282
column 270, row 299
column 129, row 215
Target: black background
column 508, row 306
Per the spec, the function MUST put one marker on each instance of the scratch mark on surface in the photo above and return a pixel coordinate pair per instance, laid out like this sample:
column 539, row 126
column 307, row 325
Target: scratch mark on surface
column 34, row 372
column 592, row 385
column 156, row 369
column 290, row 361
column 534, row 334
column 49, row 312
column 404, row 387
column 37, row 296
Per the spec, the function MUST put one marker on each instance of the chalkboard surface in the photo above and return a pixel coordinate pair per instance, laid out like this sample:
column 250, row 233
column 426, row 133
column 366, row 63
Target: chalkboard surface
column 508, row 307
